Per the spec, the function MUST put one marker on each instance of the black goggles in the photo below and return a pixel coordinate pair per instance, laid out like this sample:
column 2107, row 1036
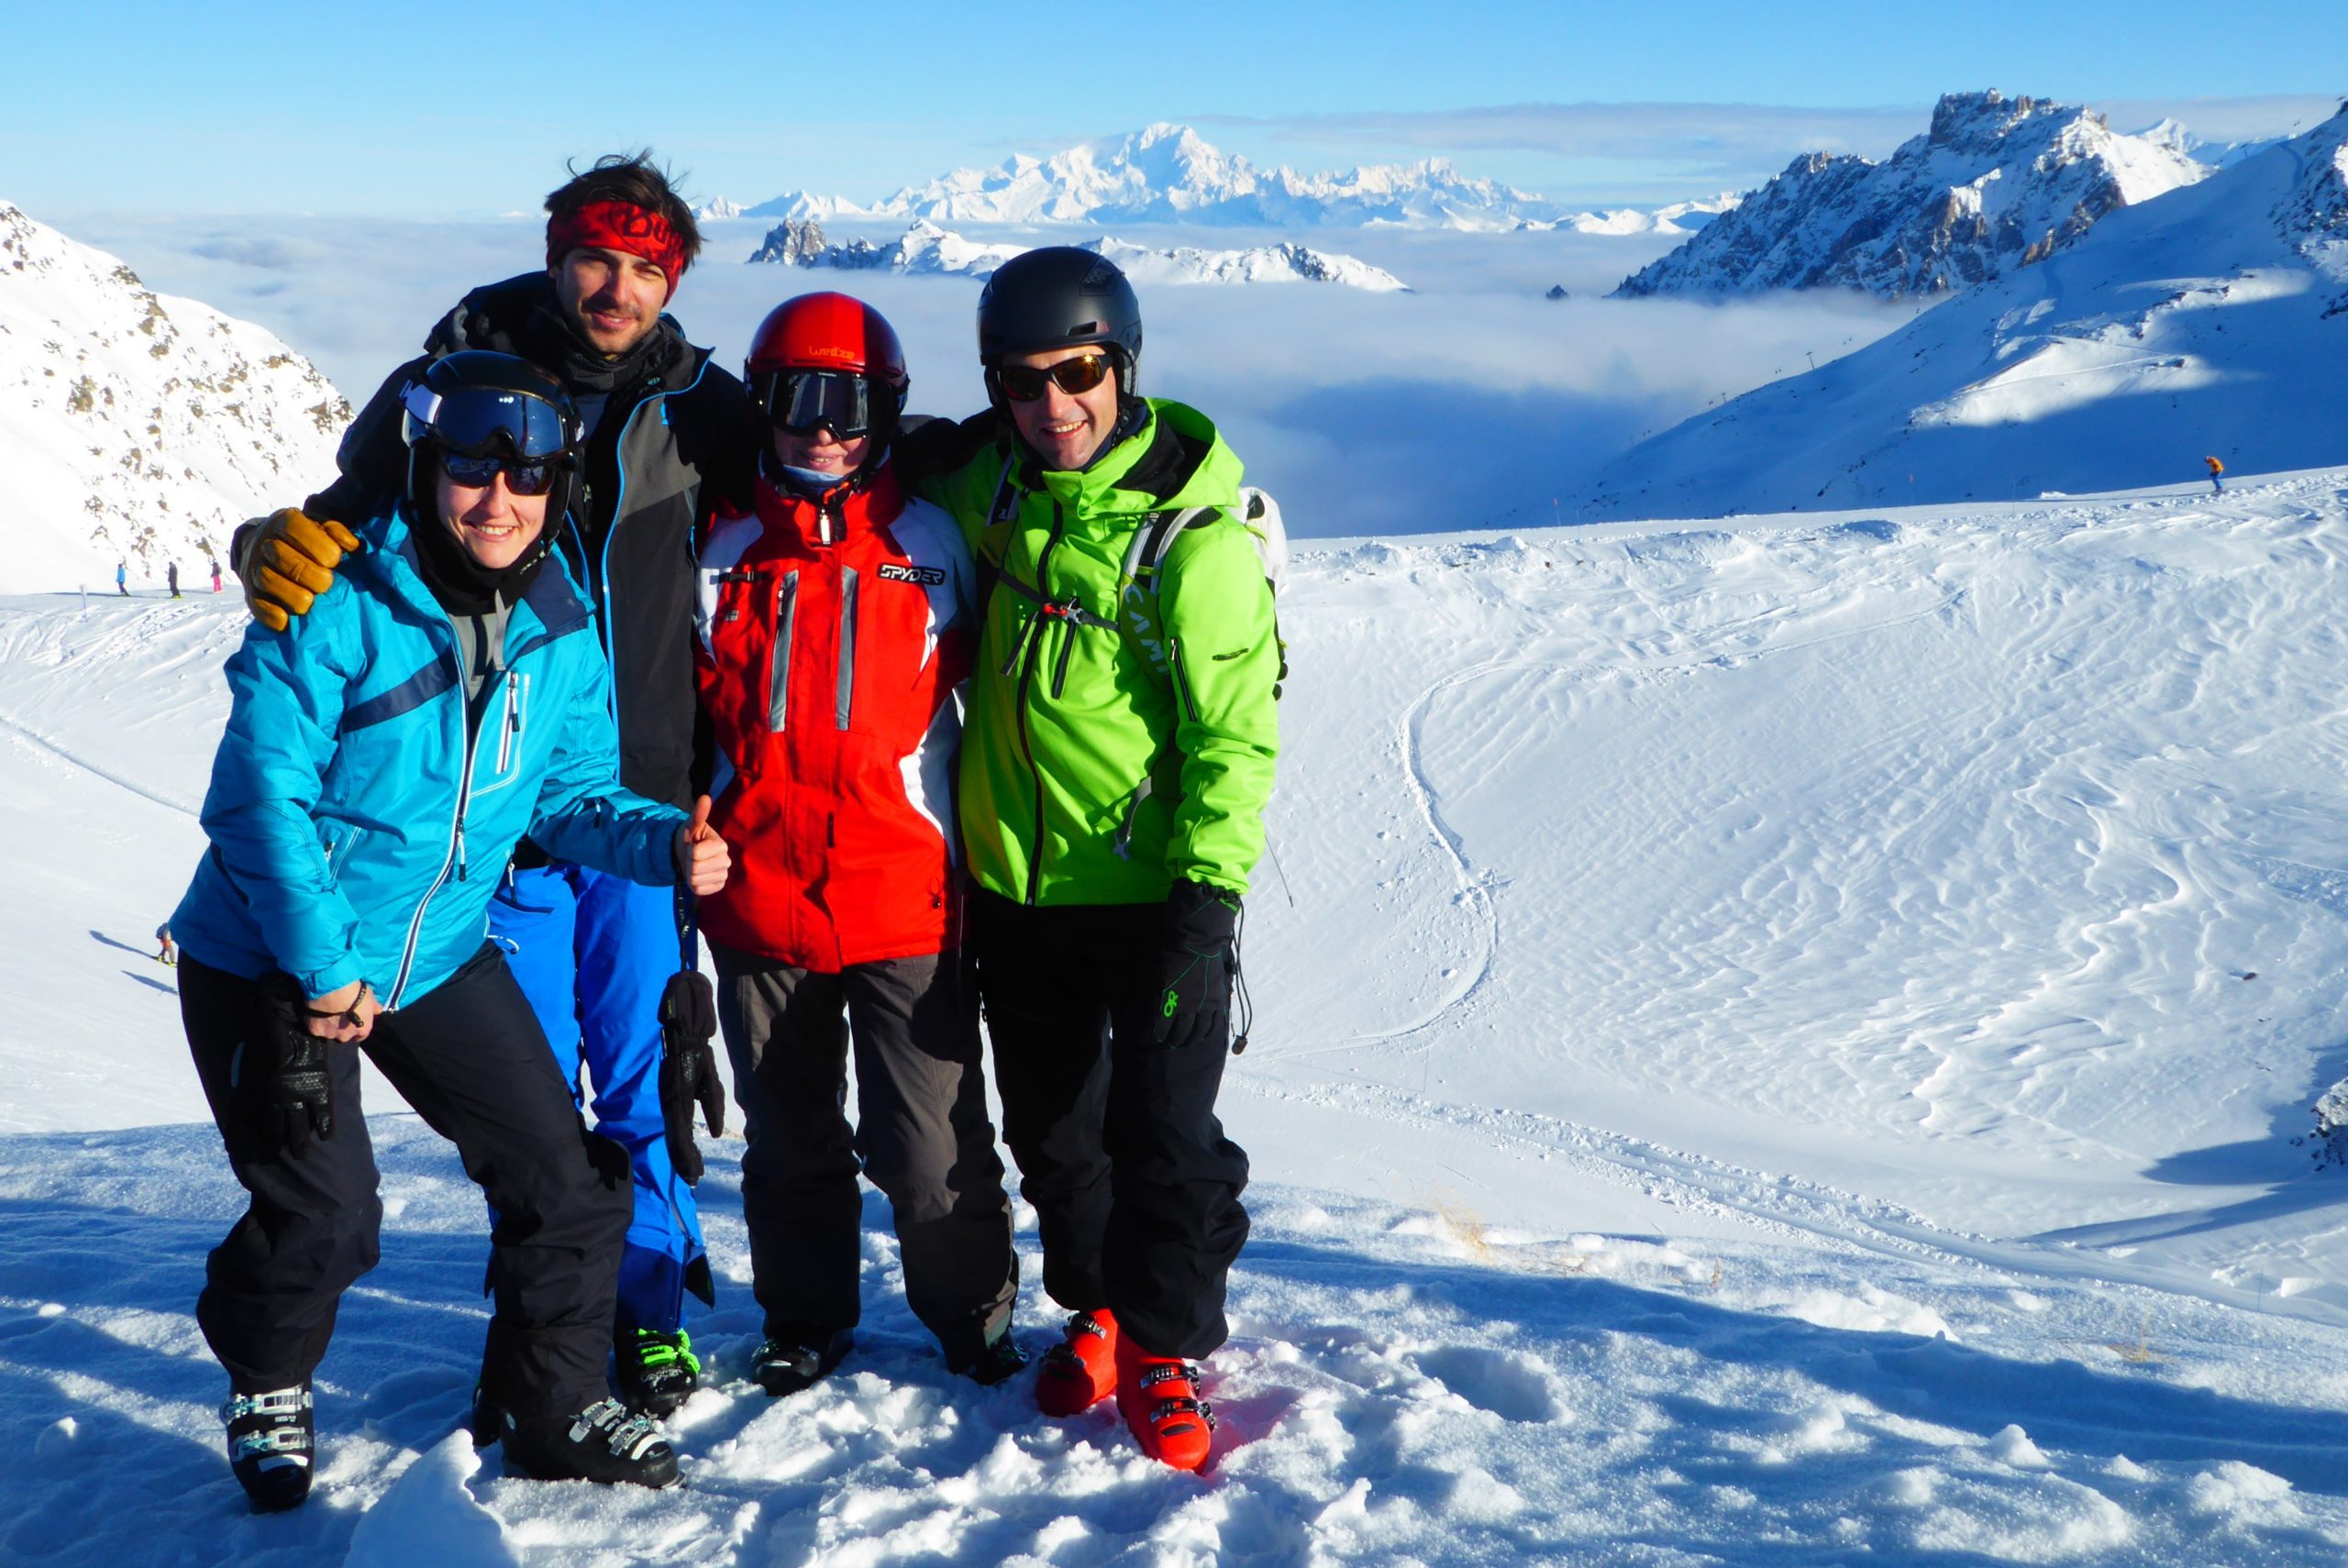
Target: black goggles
column 476, row 421
column 523, row 476
column 802, row 401
column 1024, row 383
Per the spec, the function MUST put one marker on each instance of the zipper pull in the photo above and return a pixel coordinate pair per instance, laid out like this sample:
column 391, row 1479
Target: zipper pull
column 1019, row 646
column 460, row 849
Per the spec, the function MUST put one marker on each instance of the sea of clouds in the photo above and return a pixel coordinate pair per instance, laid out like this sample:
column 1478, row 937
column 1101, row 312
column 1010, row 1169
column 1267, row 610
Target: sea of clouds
column 1472, row 402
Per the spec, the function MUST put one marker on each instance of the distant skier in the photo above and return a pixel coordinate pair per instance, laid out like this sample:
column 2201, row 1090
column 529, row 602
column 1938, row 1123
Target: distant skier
column 172, row 576
column 165, row 953
column 2217, row 468
column 122, row 578
column 216, row 575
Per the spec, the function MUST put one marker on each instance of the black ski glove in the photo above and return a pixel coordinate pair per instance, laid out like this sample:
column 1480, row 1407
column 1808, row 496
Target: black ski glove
column 1194, row 996
column 689, row 1068
column 285, row 1093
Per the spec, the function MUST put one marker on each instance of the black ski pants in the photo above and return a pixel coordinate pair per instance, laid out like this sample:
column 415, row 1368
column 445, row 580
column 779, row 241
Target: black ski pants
column 923, row 1134
column 469, row 1057
column 1136, row 1187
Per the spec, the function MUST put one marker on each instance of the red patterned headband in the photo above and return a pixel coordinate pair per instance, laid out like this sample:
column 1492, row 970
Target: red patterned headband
column 618, row 226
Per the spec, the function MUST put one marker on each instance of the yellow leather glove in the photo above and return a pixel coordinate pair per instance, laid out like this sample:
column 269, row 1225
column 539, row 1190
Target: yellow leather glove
column 288, row 562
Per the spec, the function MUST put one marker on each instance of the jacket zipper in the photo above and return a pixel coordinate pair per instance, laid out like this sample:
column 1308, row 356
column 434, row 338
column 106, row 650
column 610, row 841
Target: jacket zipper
column 511, row 727
column 1181, row 678
column 1067, row 647
column 1026, row 680
column 455, row 856
column 338, row 852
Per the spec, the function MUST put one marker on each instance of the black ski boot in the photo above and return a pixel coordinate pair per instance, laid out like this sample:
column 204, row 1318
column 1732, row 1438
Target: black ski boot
column 998, row 1362
column 658, row 1372
column 605, row 1442
column 271, row 1445
column 791, row 1360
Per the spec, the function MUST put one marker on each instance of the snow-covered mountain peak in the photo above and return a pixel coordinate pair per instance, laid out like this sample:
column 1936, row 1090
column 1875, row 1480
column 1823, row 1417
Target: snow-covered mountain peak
column 139, row 426
column 1979, row 122
column 1167, row 173
column 2213, row 322
column 929, row 249
column 1994, row 182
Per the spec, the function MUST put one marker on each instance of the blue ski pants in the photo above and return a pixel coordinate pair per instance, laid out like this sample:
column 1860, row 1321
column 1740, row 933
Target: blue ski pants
column 591, row 952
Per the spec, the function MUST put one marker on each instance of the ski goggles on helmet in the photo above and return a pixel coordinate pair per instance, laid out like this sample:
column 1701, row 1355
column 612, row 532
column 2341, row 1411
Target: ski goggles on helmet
column 800, row 403
column 1024, row 383
column 477, row 421
column 523, row 475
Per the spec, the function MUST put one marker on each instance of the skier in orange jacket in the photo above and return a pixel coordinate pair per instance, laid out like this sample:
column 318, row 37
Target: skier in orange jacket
column 2216, row 485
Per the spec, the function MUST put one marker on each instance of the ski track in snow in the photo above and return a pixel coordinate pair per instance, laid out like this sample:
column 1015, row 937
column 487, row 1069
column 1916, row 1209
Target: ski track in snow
column 1912, row 931
column 27, row 736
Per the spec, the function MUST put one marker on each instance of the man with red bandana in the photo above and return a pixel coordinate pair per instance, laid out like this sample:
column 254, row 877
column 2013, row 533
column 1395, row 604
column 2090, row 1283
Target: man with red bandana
column 665, row 427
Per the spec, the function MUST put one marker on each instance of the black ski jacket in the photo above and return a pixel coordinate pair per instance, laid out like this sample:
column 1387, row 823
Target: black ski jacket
column 676, row 433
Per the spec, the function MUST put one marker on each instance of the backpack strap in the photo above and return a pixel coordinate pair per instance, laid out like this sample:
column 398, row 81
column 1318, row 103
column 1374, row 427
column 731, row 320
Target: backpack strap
column 1137, row 582
column 994, row 534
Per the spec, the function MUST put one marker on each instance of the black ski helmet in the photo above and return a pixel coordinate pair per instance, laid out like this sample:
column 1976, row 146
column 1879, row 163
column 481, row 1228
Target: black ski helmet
column 1060, row 297
column 478, row 404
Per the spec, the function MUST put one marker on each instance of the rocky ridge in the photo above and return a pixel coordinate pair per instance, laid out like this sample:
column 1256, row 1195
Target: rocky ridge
column 1994, row 184
column 139, row 426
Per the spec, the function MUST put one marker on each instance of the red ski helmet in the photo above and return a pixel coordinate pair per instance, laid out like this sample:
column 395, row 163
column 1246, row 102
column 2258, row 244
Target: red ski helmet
column 829, row 331
column 830, row 335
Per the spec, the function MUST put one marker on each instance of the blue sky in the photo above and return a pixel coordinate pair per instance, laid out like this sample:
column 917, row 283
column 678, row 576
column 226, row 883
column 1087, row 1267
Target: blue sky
column 442, row 110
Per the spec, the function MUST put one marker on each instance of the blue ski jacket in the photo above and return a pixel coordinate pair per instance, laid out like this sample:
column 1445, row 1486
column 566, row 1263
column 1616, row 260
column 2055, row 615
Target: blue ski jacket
column 359, row 823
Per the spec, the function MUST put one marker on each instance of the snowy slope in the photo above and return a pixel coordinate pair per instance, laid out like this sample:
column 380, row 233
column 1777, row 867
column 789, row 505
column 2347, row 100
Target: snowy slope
column 926, row 249
column 1167, row 173
column 136, row 425
column 2213, row 322
column 1778, row 1043
column 1995, row 183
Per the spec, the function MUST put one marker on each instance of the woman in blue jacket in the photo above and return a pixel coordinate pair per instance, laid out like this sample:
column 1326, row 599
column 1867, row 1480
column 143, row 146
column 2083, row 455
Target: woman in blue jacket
column 382, row 755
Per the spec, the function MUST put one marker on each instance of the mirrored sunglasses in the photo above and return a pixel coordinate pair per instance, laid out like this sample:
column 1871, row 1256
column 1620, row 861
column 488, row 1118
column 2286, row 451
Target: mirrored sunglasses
column 522, row 477
column 1024, row 383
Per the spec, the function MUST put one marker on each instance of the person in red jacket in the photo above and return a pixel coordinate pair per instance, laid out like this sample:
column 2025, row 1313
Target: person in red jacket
column 838, row 620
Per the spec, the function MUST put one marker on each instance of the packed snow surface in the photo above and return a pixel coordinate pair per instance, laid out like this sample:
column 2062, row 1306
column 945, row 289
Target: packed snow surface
column 1779, row 1041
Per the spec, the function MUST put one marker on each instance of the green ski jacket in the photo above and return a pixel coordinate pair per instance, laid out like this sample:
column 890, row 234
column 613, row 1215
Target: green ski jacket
column 1118, row 738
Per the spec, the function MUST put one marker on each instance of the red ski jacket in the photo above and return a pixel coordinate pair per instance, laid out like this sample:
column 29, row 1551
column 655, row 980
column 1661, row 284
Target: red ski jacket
column 835, row 637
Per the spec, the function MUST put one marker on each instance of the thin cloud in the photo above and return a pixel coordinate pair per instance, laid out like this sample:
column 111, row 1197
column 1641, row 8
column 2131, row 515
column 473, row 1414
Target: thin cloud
column 2225, row 119
column 1724, row 143
column 1723, row 137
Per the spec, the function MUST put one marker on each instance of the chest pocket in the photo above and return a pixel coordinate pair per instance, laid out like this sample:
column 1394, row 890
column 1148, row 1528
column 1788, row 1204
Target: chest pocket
column 888, row 633
column 498, row 744
column 751, row 612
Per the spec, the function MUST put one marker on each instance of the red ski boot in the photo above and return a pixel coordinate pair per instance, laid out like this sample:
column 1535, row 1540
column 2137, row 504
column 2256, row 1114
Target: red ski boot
column 1081, row 1371
column 1159, row 1397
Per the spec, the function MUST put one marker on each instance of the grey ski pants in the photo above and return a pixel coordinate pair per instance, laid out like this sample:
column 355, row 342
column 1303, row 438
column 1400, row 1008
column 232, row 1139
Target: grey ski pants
column 922, row 1135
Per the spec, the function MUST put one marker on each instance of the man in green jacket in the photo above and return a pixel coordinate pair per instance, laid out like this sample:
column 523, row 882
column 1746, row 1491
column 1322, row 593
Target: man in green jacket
column 1117, row 759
